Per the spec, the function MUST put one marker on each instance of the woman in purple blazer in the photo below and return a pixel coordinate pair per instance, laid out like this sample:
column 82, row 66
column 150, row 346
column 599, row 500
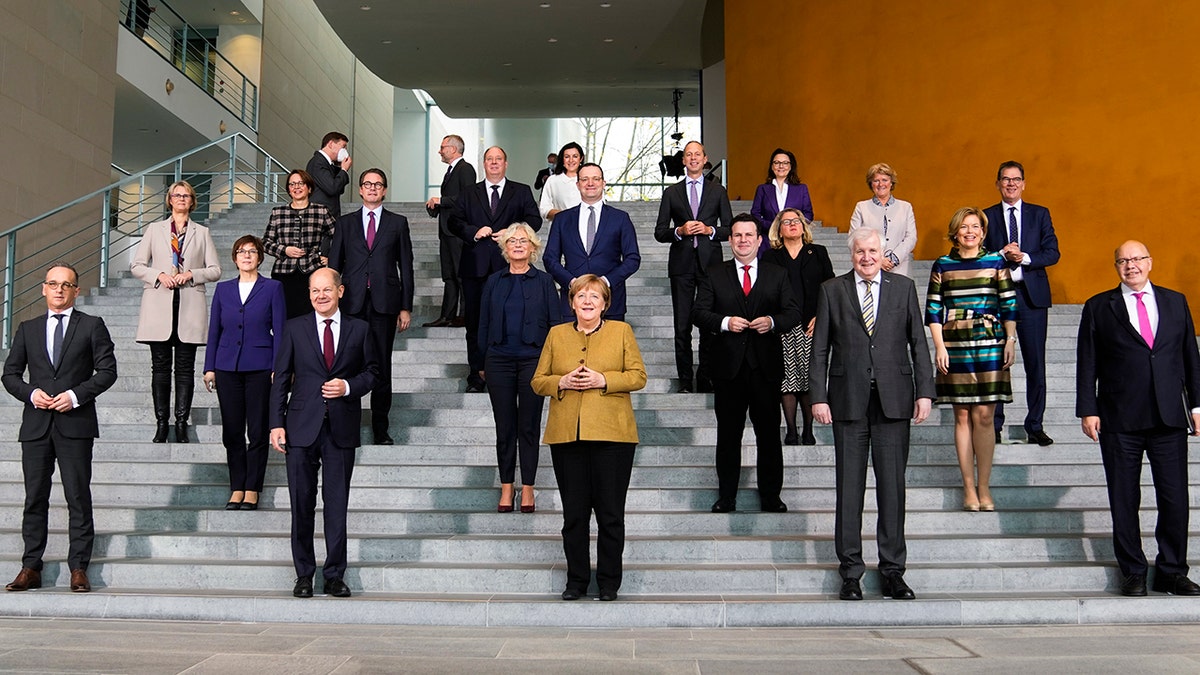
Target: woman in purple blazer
column 244, row 330
column 783, row 189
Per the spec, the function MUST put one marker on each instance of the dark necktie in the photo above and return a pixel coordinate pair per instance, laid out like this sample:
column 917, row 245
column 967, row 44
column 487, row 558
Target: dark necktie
column 448, row 170
column 328, row 344
column 746, row 279
column 1012, row 224
column 56, row 354
column 495, row 198
column 370, row 229
column 591, row 228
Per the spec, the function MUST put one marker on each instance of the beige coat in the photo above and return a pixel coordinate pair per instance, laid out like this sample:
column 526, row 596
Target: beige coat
column 153, row 257
column 595, row 414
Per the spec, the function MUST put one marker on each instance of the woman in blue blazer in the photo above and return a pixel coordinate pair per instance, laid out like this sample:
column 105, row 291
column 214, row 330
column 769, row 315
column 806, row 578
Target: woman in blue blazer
column 519, row 306
column 783, row 189
column 244, row 330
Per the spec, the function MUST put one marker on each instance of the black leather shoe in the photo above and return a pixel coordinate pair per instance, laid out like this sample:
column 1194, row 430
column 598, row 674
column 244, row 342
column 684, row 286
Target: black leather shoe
column 774, row 506
column 893, row 587
column 724, row 506
column 249, row 506
column 1175, row 584
column 807, row 438
column 1134, row 585
column 233, row 506
column 685, row 387
column 337, row 588
column 161, row 428
column 703, row 386
column 384, row 439
column 791, row 438
column 572, row 593
column 851, row 590
column 607, row 595
column 181, row 432
column 1040, row 438
column 437, row 323
column 999, row 437
column 303, row 588
column 476, row 385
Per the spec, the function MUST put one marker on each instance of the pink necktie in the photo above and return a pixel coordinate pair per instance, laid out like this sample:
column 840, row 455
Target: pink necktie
column 1144, row 321
column 746, row 279
column 694, row 202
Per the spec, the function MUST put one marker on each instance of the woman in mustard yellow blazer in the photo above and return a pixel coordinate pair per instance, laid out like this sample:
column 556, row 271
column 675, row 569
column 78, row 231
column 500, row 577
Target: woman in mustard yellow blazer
column 588, row 369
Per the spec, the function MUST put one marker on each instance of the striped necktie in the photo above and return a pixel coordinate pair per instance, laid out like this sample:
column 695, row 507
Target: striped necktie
column 868, row 309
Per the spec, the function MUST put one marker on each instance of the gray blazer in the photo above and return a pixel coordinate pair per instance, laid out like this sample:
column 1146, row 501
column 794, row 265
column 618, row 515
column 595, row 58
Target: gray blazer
column 846, row 358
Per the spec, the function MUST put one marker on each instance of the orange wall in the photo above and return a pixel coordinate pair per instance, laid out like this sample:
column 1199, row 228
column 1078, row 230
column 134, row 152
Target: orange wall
column 1099, row 100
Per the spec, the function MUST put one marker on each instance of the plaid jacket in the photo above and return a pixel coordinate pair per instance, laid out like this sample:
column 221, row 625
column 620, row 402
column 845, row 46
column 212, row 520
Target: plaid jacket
column 310, row 228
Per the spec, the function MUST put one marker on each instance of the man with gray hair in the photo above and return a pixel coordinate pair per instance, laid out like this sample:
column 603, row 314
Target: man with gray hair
column 870, row 374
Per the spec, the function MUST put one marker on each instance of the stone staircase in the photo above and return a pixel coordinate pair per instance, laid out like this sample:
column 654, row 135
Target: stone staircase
column 427, row 547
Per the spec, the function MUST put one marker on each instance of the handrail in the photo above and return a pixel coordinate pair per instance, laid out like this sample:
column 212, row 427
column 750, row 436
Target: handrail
column 109, row 221
column 167, row 33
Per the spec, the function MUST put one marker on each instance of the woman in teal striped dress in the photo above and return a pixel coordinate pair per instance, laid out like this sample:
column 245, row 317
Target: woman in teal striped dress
column 971, row 310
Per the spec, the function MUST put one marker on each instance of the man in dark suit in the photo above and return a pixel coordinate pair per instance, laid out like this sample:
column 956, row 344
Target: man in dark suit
column 1137, row 390
column 1023, row 234
column 330, row 170
column 373, row 251
column 693, row 218
column 326, row 362
column 69, row 356
column 459, row 178
column 592, row 238
column 539, row 181
column 747, row 306
column 870, row 373
column 480, row 215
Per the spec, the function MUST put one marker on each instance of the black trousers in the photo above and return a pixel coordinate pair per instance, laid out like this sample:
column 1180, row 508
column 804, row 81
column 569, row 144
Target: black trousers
column 683, row 297
column 295, row 293
column 593, row 477
column 183, row 357
column 1122, row 454
column 382, row 329
column 472, row 299
column 244, row 398
column 450, row 256
column 886, row 440
column 757, row 392
column 74, row 457
column 336, row 465
column 1032, row 328
column 518, row 414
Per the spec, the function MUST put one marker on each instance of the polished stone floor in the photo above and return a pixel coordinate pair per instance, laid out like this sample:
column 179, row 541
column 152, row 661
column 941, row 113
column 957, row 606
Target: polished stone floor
column 119, row 646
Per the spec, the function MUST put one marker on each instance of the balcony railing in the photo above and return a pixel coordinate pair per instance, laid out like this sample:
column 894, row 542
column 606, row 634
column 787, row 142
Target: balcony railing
column 193, row 54
column 105, row 226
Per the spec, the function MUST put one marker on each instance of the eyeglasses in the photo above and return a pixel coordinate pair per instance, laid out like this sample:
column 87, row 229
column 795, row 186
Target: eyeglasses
column 1012, row 181
column 373, row 186
column 590, row 179
column 518, row 242
column 296, row 183
column 55, row 285
column 1122, row 262
column 791, row 221
column 783, row 163
column 181, row 195
column 247, row 251
column 882, row 181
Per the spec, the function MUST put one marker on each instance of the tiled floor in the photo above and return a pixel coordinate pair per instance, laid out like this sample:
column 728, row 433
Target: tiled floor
column 116, row 646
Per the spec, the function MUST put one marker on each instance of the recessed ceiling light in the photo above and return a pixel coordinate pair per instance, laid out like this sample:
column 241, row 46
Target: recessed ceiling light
column 234, row 13
column 606, row 5
column 385, row 42
column 552, row 40
column 544, row 5
column 608, row 39
column 507, row 64
column 364, row 7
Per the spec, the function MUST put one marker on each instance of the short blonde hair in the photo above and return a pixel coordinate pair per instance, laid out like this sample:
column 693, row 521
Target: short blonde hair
column 535, row 244
column 186, row 186
column 590, row 281
column 957, row 221
column 777, row 239
column 881, row 168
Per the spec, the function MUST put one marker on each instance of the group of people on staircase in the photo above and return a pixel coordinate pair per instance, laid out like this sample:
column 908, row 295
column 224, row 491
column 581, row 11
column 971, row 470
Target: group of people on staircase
column 290, row 357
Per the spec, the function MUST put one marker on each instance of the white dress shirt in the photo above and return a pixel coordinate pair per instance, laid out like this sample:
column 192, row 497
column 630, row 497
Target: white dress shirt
column 1148, row 300
column 1017, row 274
column 51, row 326
column 860, row 287
column 336, row 326
column 738, row 266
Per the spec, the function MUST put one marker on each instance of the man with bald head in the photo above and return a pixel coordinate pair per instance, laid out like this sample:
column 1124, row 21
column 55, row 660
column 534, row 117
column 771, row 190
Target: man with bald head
column 481, row 214
column 1138, row 393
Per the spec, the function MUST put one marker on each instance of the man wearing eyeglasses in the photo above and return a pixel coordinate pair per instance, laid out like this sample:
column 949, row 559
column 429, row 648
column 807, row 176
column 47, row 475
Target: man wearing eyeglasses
column 69, row 356
column 1023, row 234
column 373, row 250
column 592, row 238
column 1137, row 391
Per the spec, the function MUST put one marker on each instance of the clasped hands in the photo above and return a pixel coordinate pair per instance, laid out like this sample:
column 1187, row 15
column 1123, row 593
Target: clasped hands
column 60, row 403
column 691, row 227
column 581, row 379
column 174, row 281
column 760, row 324
column 1012, row 252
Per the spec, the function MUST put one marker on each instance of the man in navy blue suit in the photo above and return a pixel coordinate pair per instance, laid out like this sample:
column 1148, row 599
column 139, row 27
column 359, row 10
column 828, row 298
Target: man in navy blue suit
column 373, row 251
column 326, row 363
column 1023, row 234
column 593, row 238
column 1138, row 392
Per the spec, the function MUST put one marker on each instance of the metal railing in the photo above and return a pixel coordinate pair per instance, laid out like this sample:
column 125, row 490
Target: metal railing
column 193, row 55
column 106, row 225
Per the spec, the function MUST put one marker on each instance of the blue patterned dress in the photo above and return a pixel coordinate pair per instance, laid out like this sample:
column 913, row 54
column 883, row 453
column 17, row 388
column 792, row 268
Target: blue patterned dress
column 971, row 298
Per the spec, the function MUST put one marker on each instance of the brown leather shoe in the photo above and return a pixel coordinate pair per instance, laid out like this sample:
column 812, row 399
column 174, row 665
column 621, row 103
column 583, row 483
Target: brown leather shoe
column 79, row 582
column 26, row 579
